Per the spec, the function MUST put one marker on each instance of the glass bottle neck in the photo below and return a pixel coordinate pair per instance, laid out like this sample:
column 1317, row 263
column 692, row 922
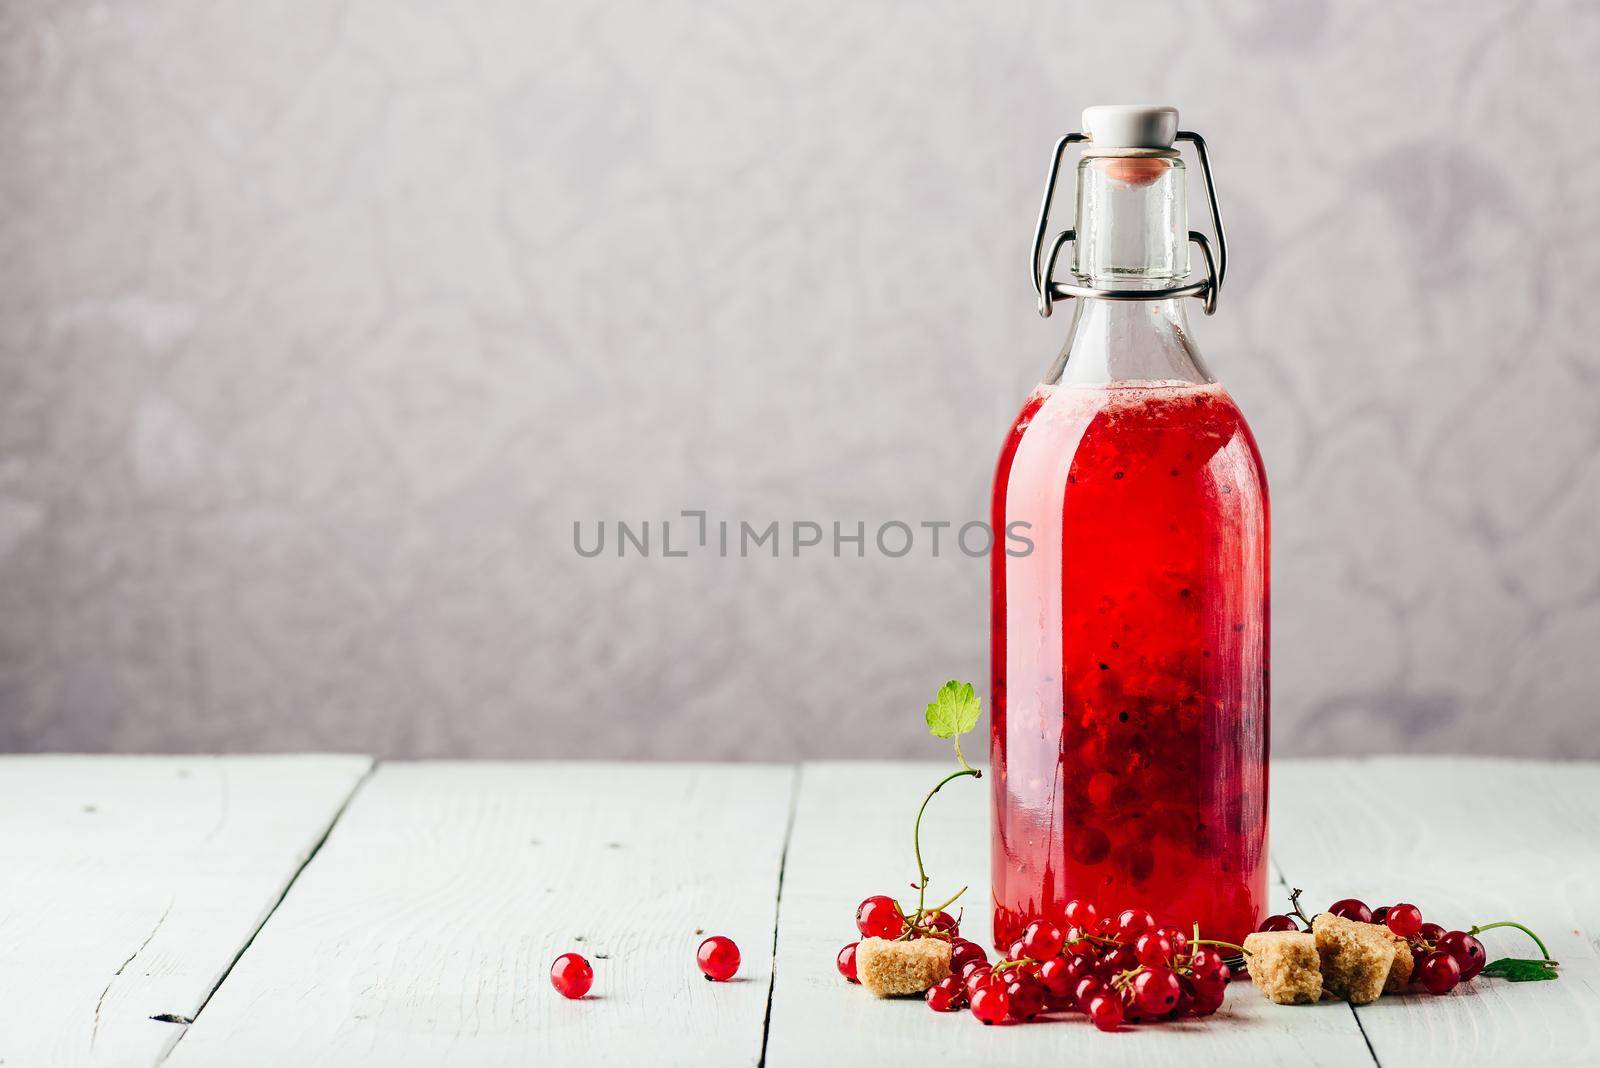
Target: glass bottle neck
column 1132, row 233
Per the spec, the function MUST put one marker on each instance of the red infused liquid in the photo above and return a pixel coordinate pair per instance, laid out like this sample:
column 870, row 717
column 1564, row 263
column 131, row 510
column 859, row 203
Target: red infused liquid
column 1129, row 660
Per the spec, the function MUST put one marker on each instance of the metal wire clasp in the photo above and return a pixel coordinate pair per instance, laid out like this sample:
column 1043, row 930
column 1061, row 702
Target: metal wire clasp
column 1049, row 290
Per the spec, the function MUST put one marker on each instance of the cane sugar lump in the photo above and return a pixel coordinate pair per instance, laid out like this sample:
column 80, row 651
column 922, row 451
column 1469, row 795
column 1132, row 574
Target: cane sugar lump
column 1285, row 966
column 1356, row 957
column 888, row 968
column 1404, row 962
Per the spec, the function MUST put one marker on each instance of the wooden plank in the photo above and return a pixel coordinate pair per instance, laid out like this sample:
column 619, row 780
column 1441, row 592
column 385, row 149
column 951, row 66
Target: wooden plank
column 1466, row 840
column 852, row 837
column 128, row 885
column 424, row 930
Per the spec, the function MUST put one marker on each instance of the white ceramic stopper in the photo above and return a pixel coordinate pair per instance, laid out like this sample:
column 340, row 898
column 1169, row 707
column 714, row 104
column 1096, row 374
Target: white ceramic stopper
column 1139, row 126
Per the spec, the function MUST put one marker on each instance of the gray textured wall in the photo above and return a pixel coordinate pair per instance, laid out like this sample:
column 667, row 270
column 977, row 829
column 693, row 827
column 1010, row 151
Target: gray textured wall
column 321, row 322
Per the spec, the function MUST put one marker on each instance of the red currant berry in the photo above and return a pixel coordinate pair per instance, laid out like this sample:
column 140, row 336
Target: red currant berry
column 571, row 975
column 963, row 952
column 1027, row 997
column 718, row 958
column 1154, row 949
column 1042, row 940
column 1208, row 966
column 879, row 917
column 1179, row 940
column 1208, row 997
column 938, row 923
column 1440, row 972
column 1080, row 914
column 991, row 1003
column 1057, row 976
column 847, row 962
column 1104, row 926
column 1088, row 988
column 1467, row 951
column 1278, row 923
column 1131, row 923
column 945, row 995
column 1430, row 932
column 976, row 979
column 1014, row 951
column 1156, row 991
column 1105, row 1011
column 1351, row 909
column 1403, row 919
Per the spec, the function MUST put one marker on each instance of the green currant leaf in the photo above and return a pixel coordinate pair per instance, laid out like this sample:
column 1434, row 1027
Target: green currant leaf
column 1519, row 970
column 954, row 711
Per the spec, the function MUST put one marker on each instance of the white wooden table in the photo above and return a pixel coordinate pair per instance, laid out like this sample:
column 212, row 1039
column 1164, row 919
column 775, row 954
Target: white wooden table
column 313, row 910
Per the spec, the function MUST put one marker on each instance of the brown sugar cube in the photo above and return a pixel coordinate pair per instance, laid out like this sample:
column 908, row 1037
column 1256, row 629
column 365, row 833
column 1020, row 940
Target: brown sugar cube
column 1285, row 966
column 888, row 968
column 1404, row 961
column 1356, row 957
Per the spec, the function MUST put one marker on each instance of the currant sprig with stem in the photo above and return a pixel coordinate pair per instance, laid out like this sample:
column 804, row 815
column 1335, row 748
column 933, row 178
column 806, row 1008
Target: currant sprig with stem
column 954, row 711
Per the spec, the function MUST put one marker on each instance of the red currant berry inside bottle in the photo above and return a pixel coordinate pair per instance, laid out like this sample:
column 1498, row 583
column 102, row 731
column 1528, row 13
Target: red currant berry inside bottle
column 718, row 958
column 571, row 975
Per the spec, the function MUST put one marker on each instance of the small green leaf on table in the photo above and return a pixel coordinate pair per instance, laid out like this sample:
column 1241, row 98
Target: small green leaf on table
column 1520, row 970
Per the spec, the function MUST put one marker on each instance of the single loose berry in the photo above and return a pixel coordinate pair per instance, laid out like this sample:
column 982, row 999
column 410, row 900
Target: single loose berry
column 1131, row 923
column 1042, row 940
column 1278, row 923
column 879, row 917
column 718, row 958
column 1403, row 919
column 991, row 1003
column 1026, row 995
column 1105, row 1011
column 847, row 962
column 945, row 995
column 1080, row 914
column 1156, row 991
column 571, row 975
column 1440, row 972
column 1351, row 909
column 1467, row 951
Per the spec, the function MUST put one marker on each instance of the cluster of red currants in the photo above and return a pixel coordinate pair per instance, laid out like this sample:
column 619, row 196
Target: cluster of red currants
column 1115, row 970
column 718, row 958
column 1444, row 959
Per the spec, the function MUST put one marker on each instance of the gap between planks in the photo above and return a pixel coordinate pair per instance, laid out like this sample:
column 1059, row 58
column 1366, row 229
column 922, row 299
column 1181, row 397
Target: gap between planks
column 777, row 912
column 248, row 942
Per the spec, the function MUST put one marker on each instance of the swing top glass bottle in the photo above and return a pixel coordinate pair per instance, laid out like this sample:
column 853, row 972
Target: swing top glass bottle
column 1129, row 648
